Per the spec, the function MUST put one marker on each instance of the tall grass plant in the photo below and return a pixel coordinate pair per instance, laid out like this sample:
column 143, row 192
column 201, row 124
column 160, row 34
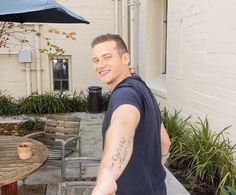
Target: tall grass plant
column 47, row 103
column 8, row 105
column 204, row 154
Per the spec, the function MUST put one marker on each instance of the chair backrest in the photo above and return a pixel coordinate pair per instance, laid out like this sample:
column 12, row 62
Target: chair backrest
column 61, row 127
column 85, row 179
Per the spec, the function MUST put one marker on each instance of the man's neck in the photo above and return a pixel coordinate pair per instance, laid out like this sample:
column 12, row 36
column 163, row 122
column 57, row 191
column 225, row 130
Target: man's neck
column 123, row 77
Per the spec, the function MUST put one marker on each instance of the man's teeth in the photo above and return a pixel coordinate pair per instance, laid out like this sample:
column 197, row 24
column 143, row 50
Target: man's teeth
column 103, row 72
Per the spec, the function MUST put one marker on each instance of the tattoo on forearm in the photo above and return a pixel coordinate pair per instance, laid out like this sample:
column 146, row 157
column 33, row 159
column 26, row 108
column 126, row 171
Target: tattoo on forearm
column 121, row 152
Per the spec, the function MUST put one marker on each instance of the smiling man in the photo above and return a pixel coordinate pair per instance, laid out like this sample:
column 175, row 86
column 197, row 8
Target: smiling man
column 136, row 145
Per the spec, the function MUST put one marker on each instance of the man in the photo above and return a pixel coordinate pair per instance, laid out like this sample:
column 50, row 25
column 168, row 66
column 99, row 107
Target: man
column 133, row 142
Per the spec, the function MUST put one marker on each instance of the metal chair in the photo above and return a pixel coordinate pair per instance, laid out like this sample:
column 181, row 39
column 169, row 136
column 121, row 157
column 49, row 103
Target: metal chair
column 61, row 135
column 81, row 180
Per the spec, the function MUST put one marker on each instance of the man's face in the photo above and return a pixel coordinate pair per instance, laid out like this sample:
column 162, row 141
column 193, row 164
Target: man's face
column 110, row 67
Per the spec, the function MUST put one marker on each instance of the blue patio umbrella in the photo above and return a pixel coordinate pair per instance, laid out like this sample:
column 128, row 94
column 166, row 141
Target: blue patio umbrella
column 33, row 11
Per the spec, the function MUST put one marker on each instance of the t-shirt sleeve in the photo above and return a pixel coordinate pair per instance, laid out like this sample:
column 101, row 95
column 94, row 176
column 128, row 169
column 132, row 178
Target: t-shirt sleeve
column 125, row 95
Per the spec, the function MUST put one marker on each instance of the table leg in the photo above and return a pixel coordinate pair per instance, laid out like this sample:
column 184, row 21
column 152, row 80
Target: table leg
column 9, row 189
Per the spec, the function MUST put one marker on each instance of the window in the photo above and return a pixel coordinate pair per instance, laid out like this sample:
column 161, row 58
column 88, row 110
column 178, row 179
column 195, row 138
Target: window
column 60, row 74
column 158, row 46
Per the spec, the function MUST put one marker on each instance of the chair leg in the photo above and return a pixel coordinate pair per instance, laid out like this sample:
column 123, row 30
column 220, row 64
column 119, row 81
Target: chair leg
column 80, row 164
column 45, row 191
column 23, row 181
column 63, row 192
column 86, row 191
column 78, row 146
column 80, row 170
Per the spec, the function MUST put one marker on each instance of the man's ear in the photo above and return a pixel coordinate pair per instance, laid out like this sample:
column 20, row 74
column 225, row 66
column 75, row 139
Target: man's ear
column 126, row 58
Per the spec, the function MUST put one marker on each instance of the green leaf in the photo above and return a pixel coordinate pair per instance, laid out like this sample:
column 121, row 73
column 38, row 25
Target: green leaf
column 38, row 34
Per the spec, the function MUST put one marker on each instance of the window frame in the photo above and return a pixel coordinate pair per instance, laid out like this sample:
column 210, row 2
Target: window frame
column 164, row 36
column 68, row 58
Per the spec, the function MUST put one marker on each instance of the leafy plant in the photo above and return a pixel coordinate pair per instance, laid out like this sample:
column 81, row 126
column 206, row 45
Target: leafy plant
column 208, row 154
column 8, row 105
column 79, row 103
column 47, row 103
column 35, row 124
column 227, row 190
column 105, row 100
column 205, row 155
column 40, row 104
column 19, row 34
column 176, row 128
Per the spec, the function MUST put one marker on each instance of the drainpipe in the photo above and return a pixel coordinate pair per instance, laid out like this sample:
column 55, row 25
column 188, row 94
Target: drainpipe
column 116, row 17
column 124, row 21
column 133, row 34
column 24, row 56
column 28, row 79
column 38, row 61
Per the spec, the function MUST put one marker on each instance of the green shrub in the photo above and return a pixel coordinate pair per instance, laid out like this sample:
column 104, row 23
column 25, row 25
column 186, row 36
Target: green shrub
column 208, row 154
column 80, row 102
column 105, row 100
column 35, row 124
column 203, row 154
column 177, row 130
column 65, row 102
column 8, row 105
column 41, row 104
column 227, row 190
column 47, row 103
column 53, row 103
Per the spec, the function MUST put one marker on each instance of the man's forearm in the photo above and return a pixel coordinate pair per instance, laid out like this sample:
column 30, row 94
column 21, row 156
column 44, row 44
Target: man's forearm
column 115, row 159
column 119, row 157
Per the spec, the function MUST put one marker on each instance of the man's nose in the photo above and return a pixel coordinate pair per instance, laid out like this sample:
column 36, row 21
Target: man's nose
column 101, row 63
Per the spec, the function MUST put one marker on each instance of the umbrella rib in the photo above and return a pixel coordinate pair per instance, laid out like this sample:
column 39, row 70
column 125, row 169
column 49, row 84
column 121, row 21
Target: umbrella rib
column 18, row 18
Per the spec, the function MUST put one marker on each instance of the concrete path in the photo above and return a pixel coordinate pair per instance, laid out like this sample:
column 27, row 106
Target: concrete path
column 91, row 146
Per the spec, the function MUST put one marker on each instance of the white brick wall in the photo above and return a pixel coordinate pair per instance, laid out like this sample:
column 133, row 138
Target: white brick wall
column 201, row 70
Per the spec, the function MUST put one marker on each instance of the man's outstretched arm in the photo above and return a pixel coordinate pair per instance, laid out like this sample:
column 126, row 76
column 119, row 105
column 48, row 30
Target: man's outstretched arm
column 118, row 148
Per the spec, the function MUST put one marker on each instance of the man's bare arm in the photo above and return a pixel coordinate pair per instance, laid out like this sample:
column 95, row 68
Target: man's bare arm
column 117, row 149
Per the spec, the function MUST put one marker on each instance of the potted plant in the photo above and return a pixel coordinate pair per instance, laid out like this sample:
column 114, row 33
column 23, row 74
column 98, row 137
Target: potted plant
column 24, row 150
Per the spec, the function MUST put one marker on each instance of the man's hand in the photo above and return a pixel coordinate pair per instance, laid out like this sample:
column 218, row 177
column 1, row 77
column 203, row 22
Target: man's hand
column 105, row 188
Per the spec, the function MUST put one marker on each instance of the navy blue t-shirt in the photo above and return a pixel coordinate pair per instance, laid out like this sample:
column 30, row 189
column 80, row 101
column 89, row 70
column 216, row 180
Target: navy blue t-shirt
column 144, row 174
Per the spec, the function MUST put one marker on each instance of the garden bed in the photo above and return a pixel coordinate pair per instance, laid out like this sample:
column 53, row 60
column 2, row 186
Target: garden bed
column 20, row 129
column 195, row 188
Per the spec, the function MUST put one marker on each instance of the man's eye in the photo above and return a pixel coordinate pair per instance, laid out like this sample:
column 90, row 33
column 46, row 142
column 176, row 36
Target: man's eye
column 107, row 57
column 95, row 61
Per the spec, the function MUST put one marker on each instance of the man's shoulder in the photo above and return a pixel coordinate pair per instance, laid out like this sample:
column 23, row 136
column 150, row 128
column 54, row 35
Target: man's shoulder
column 132, row 83
column 124, row 93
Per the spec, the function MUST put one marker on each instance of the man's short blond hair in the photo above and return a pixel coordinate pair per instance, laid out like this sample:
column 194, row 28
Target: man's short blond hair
column 120, row 44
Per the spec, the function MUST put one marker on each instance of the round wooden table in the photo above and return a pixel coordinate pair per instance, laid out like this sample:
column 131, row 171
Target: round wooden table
column 12, row 168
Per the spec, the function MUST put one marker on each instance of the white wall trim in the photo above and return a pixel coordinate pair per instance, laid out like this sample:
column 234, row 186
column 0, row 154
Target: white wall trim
column 158, row 85
column 7, row 51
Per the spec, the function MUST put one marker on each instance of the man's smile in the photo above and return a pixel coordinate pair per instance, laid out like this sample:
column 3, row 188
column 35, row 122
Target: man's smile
column 103, row 72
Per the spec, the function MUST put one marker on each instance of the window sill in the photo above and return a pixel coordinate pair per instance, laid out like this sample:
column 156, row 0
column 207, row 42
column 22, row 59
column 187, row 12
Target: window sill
column 158, row 85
